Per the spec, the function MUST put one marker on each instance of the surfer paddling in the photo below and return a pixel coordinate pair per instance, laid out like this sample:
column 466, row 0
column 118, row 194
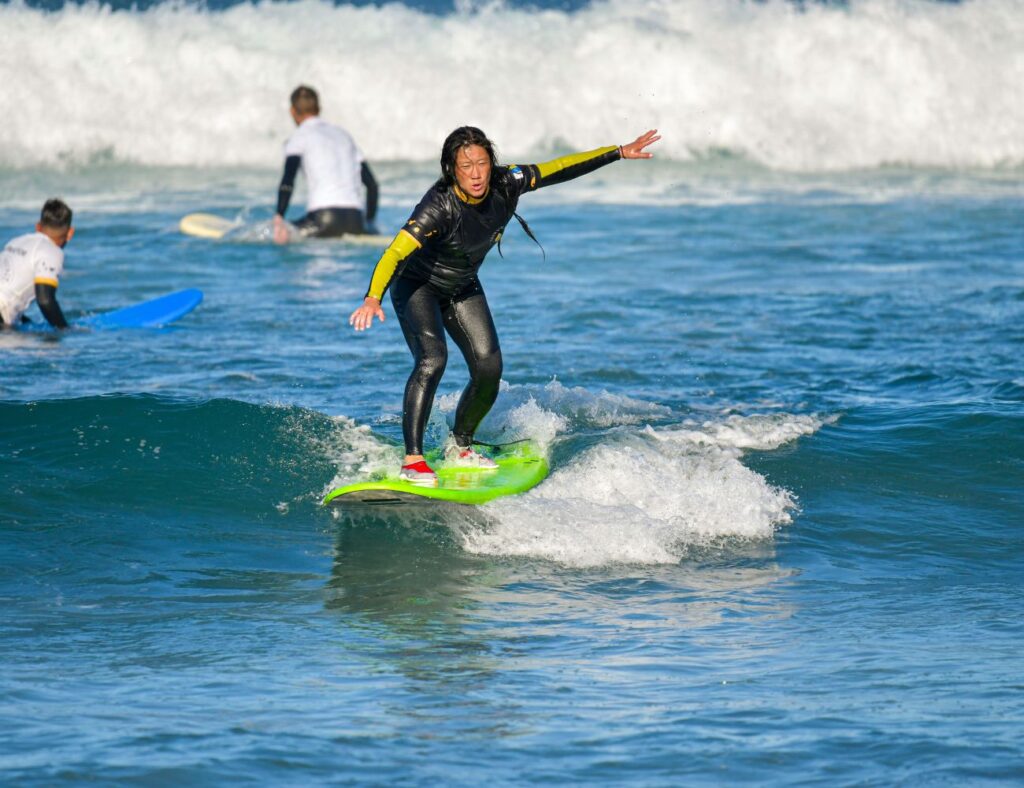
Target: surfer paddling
column 334, row 168
column 431, row 268
column 31, row 266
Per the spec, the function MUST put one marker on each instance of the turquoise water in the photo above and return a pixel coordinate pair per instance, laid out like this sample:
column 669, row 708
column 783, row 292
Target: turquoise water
column 778, row 379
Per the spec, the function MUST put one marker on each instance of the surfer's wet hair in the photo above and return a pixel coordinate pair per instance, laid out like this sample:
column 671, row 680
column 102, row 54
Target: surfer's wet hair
column 305, row 101
column 56, row 215
column 462, row 137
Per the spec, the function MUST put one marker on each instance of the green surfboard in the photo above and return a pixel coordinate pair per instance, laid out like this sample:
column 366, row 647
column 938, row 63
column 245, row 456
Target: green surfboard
column 520, row 467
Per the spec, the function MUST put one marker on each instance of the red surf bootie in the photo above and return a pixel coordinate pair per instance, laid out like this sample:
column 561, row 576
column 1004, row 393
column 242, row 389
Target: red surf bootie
column 418, row 473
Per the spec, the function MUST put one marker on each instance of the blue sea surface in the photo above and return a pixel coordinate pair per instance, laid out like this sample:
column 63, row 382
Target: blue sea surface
column 782, row 541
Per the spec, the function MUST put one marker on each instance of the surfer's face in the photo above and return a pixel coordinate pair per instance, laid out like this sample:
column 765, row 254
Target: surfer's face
column 473, row 170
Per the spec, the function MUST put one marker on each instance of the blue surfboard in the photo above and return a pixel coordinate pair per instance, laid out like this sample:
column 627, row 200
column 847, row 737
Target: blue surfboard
column 149, row 314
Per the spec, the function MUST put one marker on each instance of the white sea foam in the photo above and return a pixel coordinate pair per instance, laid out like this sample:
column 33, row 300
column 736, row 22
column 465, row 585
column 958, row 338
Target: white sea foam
column 742, row 433
column 356, row 452
column 647, row 496
column 542, row 413
column 791, row 86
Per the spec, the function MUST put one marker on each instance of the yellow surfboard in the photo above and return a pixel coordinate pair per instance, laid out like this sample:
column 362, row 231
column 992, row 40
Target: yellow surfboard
column 210, row 225
column 206, row 225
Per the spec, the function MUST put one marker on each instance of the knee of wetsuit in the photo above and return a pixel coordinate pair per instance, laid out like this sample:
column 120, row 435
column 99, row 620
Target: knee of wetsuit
column 432, row 365
column 488, row 369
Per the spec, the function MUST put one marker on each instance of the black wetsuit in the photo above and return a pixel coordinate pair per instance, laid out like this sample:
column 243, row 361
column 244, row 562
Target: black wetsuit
column 432, row 271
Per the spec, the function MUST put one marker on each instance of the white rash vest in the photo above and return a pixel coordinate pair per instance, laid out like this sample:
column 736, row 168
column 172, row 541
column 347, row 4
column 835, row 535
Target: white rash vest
column 26, row 261
column 331, row 164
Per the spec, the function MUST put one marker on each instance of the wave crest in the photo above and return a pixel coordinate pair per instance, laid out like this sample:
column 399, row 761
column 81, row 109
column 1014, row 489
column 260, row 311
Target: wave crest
column 797, row 87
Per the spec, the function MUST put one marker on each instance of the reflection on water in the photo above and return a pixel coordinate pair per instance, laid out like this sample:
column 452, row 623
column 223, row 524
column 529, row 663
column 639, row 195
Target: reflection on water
column 401, row 566
column 411, row 604
column 401, row 579
column 437, row 614
column 38, row 339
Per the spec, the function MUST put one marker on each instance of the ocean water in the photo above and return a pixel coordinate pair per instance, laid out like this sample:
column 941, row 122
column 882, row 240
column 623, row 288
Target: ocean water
column 777, row 370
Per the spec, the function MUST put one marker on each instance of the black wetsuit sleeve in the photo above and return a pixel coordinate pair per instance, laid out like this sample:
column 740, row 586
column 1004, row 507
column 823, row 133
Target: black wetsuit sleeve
column 430, row 221
column 431, row 218
column 284, row 191
column 372, row 192
column 536, row 176
column 46, row 297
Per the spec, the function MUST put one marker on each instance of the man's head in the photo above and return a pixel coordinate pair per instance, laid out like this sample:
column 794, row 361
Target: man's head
column 55, row 222
column 305, row 103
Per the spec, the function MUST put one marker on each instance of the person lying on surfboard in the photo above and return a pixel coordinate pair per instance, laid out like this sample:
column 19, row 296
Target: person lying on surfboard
column 333, row 167
column 431, row 268
column 31, row 266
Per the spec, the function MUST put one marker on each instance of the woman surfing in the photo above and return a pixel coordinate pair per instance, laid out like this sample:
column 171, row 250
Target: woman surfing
column 431, row 268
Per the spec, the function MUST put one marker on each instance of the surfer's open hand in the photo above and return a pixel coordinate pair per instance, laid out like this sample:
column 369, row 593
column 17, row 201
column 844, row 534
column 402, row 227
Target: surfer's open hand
column 635, row 149
column 362, row 318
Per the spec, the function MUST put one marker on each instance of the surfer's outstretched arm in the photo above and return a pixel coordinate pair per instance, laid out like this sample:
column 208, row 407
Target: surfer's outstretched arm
column 565, row 168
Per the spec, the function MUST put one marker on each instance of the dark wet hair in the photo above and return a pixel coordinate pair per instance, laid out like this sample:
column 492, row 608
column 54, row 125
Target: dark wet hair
column 305, row 101
column 471, row 135
column 456, row 141
column 56, row 215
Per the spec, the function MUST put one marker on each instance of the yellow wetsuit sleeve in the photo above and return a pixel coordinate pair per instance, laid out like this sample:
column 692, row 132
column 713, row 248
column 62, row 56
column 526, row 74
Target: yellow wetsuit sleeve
column 536, row 176
column 400, row 248
column 549, row 169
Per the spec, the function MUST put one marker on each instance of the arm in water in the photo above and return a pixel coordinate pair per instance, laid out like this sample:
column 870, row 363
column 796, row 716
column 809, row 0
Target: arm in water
column 284, row 196
column 46, row 297
column 372, row 192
